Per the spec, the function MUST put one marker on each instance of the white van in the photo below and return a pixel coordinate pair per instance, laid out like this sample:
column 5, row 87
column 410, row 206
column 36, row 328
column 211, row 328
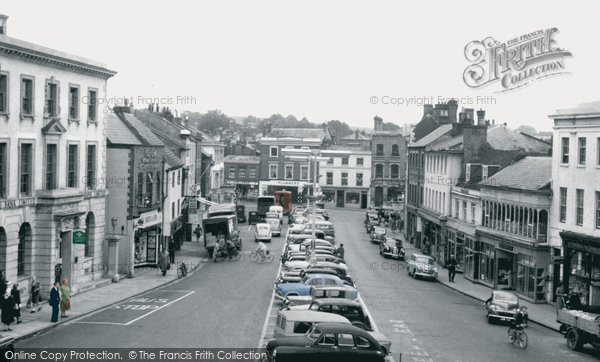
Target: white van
column 278, row 210
column 275, row 226
column 298, row 322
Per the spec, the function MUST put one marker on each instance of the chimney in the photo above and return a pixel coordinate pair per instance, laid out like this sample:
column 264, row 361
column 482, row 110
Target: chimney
column 356, row 134
column 131, row 108
column 474, row 140
column 461, row 117
column 452, row 108
column 480, row 117
column 378, row 126
column 469, row 115
column 3, row 21
column 427, row 109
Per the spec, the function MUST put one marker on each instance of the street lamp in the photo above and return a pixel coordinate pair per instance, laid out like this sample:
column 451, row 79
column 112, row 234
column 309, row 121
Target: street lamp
column 113, row 222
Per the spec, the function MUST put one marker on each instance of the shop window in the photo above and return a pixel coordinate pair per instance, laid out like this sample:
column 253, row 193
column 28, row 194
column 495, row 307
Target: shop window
column 565, row 150
column 344, row 179
column 563, row 204
column 352, row 198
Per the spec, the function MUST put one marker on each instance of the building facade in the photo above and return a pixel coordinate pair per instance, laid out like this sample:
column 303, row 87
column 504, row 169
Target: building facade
column 242, row 172
column 52, row 176
column 389, row 155
column 575, row 216
column 345, row 178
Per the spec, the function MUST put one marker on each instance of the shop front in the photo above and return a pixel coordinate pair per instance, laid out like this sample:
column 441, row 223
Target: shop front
column 513, row 264
column 412, row 235
column 353, row 198
column 433, row 242
column 581, row 273
column 177, row 231
column 455, row 246
column 147, row 236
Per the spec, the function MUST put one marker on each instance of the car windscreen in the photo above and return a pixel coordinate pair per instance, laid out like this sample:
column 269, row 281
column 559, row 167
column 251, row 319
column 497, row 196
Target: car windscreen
column 424, row 260
column 505, row 297
column 379, row 230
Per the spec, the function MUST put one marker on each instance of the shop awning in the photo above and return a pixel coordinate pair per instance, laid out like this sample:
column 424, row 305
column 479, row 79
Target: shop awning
column 581, row 242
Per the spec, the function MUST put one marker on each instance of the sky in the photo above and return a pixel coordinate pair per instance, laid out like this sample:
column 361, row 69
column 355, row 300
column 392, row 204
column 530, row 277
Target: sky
column 324, row 60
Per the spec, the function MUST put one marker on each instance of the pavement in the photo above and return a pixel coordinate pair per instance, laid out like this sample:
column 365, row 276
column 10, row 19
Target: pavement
column 90, row 301
column 542, row 314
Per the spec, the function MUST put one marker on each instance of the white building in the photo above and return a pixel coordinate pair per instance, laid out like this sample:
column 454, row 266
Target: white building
column 575, row 215
column 52, row 165
column 345, row 178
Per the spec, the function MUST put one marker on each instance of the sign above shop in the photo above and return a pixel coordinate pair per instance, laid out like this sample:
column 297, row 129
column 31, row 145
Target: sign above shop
column 234, row 182
column 6, row 204
column 79, row 237
column 147, row 219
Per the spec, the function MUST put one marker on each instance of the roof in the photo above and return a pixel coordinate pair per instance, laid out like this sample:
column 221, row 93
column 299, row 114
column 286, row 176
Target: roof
column 171, row 158
column 118, row 133
column 319, row 133
column 337, row 301
column 141, row 130
column 314, row 316
column 241, row 159
column 357, row 136
column 530, row 173
column 432, row 136
column 446, row 144
column 502, row 138
column 583, row 108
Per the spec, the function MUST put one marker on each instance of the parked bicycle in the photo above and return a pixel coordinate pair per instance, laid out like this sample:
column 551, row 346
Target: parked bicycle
column 268, row 258
column 182, row 271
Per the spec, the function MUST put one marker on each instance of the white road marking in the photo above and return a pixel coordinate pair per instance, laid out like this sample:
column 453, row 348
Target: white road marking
column 159, row 308
column 84, row 322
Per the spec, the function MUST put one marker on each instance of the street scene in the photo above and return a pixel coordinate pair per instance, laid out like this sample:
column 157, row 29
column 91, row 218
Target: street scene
column 326, row 181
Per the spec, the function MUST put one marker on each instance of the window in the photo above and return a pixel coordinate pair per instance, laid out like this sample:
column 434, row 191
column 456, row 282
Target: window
column 304, row 172
column 273, row 171
column 345, row 339
column 484, row 173
column 92, row 105
column 394, row 171
column 21, row 255
column 329, row 178
column 456, row 208
column 473, row 212
column 395, row 151
column 178, row 207
column 360, row 161
column 231, row 172
column 91, row 166
column 379, row 171
column 178, row 177
column 242, row 171
column 172, row 179
column 464, row 210
column 359, row 179
column 27, row 96
column 379, row 151
column 444, row 113
column 344, row 161
column 468, row 172
column 140, row 189
column 582, row 141
column 327, row 339
column 563, row 204
column 330, row 161
column 74, row 102
column 301, row 327
column 565, row 150
column 173, row 210
column 3, row 170
column 51, row 160
column 598, row 151
column 72, row 165
column 597, row 209
column 25, row 162
column 289, row 172
column 362, row 342
column 274, row 151
column 344, row 179
column 252, row 172
column 579, row 207
column 158, row 189
column 51, row 109
column 149, row 189
column 3, row 93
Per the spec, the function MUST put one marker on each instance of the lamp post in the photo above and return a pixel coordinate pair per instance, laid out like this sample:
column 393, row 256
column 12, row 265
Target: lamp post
column 113, row 252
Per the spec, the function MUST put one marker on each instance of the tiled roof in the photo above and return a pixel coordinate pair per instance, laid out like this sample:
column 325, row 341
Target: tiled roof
column 118, row 133
column 530, row 173
column 502, row 138
column 147, row 135
column 241, row 159
column 358, row 137
column 299, row 133
column 171, row 158
column 432, row 136
column 446, row 144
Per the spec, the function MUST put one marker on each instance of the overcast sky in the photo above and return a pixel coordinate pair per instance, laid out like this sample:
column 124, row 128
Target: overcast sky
column 317, row 59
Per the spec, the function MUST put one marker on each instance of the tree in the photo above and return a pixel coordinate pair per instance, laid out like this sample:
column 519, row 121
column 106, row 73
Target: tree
column 389, row 126
column 339, row 129
column 211, row 121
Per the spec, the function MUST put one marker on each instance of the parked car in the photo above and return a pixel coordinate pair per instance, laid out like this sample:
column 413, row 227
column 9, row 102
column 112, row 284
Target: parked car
column 350, row 309
column 293, row 301
column 253, row 218
column 327, row 258
column 326, row 227
column 262, row 233
column 378, row 235
column 275, row 226
column 503, row 306
column 392, row 248
column 328, row 342
column 422, row 265
column 298, row 322
column 324, row 270
column 283, row 290
column 240, row 211
column 370, row 224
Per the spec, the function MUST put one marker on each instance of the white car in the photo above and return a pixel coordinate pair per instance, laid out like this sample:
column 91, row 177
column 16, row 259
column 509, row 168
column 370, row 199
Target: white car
column 275, row 226
column 262, row 233
column 278, row 210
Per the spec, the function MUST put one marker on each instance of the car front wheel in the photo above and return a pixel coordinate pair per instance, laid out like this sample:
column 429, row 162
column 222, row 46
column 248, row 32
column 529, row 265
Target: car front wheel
column 489, row 319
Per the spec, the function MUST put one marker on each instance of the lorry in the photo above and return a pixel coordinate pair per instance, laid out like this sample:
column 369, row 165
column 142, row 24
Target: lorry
column 283, row 198
column 579, row 327
column 263, row 203
column 223, row 224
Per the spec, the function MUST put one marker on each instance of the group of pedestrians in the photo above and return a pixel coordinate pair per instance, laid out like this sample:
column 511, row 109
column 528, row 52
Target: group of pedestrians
column 10, row 303
column 60, row 297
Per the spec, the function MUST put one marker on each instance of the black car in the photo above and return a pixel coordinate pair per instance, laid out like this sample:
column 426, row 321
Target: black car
column 392, row 248
column 329, row 342
column 253, row 218
column 378, row 235
column 240, row 211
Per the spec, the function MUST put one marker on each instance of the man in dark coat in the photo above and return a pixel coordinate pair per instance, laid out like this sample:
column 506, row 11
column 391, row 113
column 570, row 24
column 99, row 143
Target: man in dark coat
column 54, row 302
column 451, row 268
column 172, row 251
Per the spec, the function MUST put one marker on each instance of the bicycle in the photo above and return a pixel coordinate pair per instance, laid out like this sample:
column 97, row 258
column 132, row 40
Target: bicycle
column 268, row 258
column 182, row 271
column 518, row 337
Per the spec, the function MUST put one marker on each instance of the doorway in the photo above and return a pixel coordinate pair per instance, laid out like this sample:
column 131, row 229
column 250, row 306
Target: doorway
column 378, row 196
column 65, row 253
column 363, row 200
column 339, row 198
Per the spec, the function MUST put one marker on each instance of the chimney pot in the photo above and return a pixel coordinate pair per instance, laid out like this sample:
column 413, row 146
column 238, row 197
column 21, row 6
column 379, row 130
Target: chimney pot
column 3, row 22
column 378, row 124
column 480, row 117
column 427, row 109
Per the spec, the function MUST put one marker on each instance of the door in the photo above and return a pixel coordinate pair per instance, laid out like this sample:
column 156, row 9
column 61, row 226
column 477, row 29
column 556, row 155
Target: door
column 378, row 196
column 339, row 198
column 66, row 242
column 363, row 200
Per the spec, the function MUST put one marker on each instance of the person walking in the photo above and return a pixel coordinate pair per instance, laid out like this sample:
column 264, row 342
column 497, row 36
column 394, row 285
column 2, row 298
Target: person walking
column 163, row 261
column 211, row 244
column 65, row 298
column 451, row 268
column 35, row 297
column 172, row 251
column 54, row 301
column 3, row 283
column 340, row 251
column 7, row 305
column 16, row 294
